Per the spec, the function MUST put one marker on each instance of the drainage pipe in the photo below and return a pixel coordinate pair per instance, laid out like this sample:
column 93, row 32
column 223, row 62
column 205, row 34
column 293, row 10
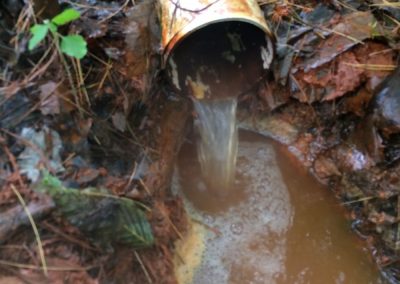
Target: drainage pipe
column 214, row 48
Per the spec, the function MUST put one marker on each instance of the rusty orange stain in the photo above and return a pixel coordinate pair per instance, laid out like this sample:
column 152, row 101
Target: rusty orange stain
column 179, row 18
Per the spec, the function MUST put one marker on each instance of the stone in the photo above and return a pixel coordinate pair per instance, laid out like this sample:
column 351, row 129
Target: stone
column 386, row 105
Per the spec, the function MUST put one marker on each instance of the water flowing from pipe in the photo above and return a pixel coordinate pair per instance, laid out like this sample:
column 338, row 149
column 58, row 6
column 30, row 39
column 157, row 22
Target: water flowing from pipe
column 218, row 143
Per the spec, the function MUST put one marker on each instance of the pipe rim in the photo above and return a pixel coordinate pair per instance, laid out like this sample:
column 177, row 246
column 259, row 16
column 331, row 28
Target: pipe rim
column 194, row 27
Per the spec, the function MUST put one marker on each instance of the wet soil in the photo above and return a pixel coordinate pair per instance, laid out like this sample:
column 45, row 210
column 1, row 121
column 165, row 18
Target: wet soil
column 113, row 121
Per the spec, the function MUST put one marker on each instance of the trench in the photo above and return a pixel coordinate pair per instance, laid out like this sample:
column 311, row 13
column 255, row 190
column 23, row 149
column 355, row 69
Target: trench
column 277, row 224
column 268, row 220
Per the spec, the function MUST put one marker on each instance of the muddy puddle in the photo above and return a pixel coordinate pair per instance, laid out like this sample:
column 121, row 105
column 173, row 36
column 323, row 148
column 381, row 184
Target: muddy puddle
column 275, row 225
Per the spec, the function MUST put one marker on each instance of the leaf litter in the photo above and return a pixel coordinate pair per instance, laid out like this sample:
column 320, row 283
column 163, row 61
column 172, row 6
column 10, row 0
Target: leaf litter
column 95, row 126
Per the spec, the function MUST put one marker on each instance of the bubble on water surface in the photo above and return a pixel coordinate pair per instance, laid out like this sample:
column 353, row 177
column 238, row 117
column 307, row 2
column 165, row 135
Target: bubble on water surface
column 237, row 228
column 243, row 252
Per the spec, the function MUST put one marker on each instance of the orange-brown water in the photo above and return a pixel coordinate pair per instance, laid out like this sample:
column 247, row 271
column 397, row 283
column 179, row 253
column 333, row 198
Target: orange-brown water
column 278, row 225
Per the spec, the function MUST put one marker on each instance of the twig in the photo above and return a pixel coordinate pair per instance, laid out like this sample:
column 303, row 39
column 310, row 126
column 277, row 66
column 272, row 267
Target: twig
column 67, row 237
column 174, row 228
column 15, row 87
column 89, row 6
column 14, row 218
column 69, row 75
column 80, row 80
column 349, row 37
column 303, row 93
column 23, row 22
column 115, row 13
column 358, row 200
column 99, row 59
column 76, row 79
column 14, row 164
column 82, row 110
column 347, row 6
column 266, row 2
column 69, row 158
column 106, row 195
column 146, row 273
column 178, row 6
column 106, row 74
column 145, row 186
column 49, row 268
column 35, row 230
column 387, row 4
column 208, row 227
column 372, row 67
column 132, row 176
column 398, row 225
column 14, row 247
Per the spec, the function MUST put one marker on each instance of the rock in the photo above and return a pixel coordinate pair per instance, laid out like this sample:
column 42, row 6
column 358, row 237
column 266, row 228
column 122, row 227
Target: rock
column 368, row 140
column 283, row 125
column 348, row 158
column 386, row 105
column 272, row 95
column 325, row 167
column 271, row 126
column 349, row 190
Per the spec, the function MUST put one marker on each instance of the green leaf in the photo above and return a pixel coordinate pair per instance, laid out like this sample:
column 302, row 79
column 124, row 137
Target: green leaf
column 74, row 45
column 136, row 229
column 38, row 32
column 51, row 181
column 66, row 16
column 52, row 27
column 102, row 217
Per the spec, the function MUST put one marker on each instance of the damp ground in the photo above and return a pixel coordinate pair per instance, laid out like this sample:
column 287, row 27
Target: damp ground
column 113, row 121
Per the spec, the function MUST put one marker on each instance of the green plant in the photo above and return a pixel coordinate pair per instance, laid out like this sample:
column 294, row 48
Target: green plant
column 102, row 217
column 72, row 45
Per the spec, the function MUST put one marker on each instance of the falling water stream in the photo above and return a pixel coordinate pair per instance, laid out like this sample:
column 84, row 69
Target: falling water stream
column 276, row 224
column 217, row 147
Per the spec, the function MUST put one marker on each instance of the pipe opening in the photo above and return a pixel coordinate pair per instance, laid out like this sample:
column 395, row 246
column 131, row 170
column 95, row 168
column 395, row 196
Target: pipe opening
column 223, row 59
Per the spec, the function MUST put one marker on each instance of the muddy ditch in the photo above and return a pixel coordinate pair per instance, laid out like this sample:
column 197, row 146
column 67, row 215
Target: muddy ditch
column 112, row 125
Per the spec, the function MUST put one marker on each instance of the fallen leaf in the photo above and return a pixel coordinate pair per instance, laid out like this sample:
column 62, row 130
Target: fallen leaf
column 352, row 30
column 44, row 143
column 49, row 101
column 119, row 121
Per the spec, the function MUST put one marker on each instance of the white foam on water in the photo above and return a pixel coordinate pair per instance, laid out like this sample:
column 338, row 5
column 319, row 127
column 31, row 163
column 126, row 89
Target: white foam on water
column 252, row 245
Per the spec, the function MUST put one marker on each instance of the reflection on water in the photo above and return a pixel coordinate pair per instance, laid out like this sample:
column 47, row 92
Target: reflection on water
column 277, row 225
column 321, row 246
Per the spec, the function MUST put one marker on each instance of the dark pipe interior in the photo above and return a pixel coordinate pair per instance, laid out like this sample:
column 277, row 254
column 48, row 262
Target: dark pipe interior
column 225, row 55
